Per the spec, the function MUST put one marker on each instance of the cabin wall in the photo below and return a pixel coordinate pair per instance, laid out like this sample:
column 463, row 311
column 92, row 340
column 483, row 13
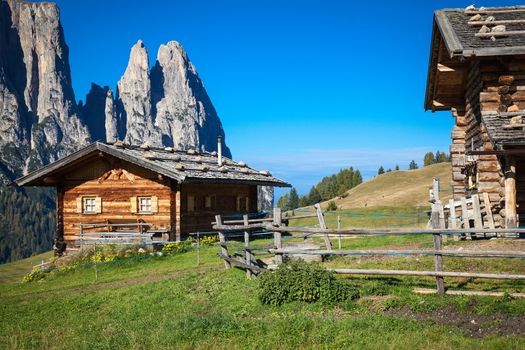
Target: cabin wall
column 225, row 204
column 115, row 192
column 482, row 94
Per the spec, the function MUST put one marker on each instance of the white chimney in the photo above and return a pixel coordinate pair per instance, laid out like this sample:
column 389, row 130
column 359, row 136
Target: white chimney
column 219, row 150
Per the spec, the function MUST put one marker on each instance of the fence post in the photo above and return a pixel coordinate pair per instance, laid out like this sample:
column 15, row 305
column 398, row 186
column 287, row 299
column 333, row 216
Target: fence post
column 198, row 248
column 222, row 240
column 339, row 227
column 438, row 258
column 247, row 251
column 277, row 237
column 322, row 225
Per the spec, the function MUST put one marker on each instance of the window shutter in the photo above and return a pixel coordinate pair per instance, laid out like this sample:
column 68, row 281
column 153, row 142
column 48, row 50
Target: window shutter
column 154, row 204
column 79, row 204
column 133, row 204
column 98, row 205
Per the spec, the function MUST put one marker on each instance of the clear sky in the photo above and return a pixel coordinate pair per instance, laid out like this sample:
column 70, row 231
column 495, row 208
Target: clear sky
column 303, row 88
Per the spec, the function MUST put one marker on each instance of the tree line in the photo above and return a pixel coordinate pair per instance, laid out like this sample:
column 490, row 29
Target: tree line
column 27, row 222
column 329, row 187
column 429, row 159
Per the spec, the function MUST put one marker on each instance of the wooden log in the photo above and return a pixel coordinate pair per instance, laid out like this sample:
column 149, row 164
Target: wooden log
column 247, row 252
column 488, row 210
column 277, row 236
column 505, row 79
column 427, row 273
column 235, row 262
column 469, row 293
column 322, row 225
column 478, row 222
column 222, row 239
column 510, row 193
column 452, row 223
column 438, row 258
column 395, row 252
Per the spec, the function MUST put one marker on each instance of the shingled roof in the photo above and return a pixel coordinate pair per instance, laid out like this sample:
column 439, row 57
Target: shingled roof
column 461, row 33
column 183, row 166
column 500, row 129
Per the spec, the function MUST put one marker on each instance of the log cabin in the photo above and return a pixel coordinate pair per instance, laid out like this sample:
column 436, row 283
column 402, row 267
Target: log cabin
column 172, row 192
column 477, row 71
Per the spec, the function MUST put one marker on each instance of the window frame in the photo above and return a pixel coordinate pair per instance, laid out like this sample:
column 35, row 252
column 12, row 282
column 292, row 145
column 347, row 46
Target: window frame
column 140, row 205
column 92, row 205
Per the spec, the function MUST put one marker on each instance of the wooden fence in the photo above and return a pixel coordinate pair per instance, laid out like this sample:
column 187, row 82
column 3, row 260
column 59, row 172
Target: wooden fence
column 245, row 256
column 118, row 233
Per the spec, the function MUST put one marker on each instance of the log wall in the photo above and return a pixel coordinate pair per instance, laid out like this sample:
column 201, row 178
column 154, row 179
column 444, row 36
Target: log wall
column 225, row 204
column 492, row 85
column 115, row 192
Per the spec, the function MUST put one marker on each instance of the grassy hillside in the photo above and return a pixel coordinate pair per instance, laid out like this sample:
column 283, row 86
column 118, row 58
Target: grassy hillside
column 404, row 188
column 173, row 303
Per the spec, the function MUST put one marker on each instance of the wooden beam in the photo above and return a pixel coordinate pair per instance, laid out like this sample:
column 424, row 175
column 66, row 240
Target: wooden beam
column 489, row 23
column 489, row 11
column 500, row 34
column 510, row 193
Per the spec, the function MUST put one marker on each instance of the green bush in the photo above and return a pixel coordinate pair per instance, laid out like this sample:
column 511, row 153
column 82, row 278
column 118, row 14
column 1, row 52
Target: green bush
column 331, row 206
column 306, row 282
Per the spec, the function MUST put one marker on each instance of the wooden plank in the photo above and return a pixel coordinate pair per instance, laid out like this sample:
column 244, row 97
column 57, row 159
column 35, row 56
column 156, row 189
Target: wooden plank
column 395, row 252
column 488, row 210
column 427, row 273
column 322, row 225
column 277, row 236
column 438, row 258
column 469, row 293
column 247, row 252
column 222, row 239
column 464, row 216
column 452, row 219
column 478, row 222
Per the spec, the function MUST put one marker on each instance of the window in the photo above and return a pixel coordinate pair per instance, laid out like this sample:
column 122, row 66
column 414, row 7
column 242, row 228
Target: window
column 243, row 203
column 145, row 204
column 89, row 205
column 191, row 203
column 209, row 202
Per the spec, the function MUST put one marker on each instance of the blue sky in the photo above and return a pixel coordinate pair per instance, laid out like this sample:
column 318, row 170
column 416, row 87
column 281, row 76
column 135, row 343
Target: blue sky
column 303, row 88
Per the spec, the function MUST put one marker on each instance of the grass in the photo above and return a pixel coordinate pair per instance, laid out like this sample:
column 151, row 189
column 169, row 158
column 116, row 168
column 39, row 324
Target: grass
column 14, row 271
column 171, row 303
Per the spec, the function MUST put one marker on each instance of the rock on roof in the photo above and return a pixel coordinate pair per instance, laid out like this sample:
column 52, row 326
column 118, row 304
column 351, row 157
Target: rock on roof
column 183, row 166
column 459, row 29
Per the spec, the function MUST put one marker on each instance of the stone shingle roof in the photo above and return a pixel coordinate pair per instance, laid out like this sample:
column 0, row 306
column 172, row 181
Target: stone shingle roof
column 183, row 166
column 460, row 36
column 501, row 131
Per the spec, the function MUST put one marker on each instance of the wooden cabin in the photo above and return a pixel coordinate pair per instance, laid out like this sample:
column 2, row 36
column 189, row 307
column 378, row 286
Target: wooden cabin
column 477, row 71
column 173, row 192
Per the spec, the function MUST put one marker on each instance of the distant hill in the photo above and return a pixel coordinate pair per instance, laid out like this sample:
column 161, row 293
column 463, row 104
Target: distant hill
column 402, row 188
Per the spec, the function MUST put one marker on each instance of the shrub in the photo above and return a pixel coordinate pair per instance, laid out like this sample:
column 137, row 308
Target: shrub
column 209, row 240
column 331, row 206
column 306, row 282
column 34, row 275
column 177, row 247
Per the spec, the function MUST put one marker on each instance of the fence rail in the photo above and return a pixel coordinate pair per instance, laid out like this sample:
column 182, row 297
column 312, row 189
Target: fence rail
column 245, row 259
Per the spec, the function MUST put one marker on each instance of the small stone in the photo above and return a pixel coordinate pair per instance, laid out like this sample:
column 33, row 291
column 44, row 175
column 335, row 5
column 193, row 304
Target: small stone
column 475, row 18
column 499, row 29
column 141, row 251
column 513, row 108
column 484, row 29
column 516, row 120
